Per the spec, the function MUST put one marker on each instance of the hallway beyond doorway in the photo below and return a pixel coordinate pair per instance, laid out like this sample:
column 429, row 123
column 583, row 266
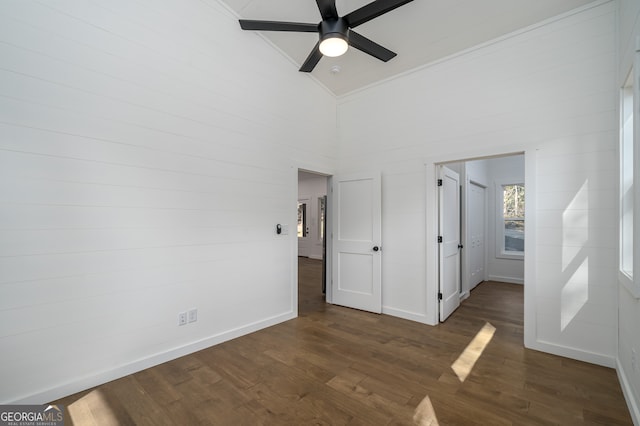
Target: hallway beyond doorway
column 310, row 297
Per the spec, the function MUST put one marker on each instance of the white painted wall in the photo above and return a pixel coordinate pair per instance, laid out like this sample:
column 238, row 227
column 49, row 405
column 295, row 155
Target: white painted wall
column 546, row 91
column 629, row 306
column 138, row 140
column 478, row 171
column 312, row 187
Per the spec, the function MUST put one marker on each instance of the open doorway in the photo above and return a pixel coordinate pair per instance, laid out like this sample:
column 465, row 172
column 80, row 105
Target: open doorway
column 491, row 226
column 311, row 233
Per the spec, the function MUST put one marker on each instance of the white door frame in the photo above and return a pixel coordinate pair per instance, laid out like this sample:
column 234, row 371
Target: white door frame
column 431, row 231
column 293, row 235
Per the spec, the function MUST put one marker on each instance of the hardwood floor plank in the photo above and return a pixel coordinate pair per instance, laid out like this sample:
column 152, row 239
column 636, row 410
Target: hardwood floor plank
column 359, row 412
column 340, row 366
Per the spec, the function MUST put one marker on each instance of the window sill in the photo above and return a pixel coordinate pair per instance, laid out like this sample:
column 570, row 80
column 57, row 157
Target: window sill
column 511, row 255
column 629, row 284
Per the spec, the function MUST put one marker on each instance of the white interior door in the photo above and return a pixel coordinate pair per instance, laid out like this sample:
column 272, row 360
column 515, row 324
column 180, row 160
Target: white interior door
column 449, row 250
column 476, row 243
column 356, row 278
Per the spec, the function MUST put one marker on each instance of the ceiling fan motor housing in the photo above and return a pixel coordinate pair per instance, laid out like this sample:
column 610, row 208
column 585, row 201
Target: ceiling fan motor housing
column 334, row 28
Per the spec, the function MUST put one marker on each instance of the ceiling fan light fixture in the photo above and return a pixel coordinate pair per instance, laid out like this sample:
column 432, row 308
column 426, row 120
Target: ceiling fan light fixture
column 333, row 46
column 334, row 37
column 335, row 31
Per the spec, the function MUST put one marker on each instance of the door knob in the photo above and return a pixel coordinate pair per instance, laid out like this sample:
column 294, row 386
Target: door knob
column 376, row 248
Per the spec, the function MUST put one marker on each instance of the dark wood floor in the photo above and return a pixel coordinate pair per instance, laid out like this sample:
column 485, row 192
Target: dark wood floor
column 335, row 366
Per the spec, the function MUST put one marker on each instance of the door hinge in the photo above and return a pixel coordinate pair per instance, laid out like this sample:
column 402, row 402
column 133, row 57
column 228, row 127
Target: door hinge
column 439, row 296
column 460, row 246
column 439, row 238
column 439, row 182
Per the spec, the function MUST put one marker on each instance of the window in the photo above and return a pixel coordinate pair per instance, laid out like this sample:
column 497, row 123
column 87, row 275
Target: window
column 302, row 219
column 321, row 207
column 626, row 180
column 510, row 225
column 629, row 190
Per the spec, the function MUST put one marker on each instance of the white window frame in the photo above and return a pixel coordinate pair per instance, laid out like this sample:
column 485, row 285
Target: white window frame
column 321, row 217
column 307, row 216
column 501, row 253
column 631, row 282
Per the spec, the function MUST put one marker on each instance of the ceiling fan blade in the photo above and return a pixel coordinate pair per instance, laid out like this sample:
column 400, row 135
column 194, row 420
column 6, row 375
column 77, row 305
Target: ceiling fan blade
column 367, row 46
column 327, row 9
column 312, row 60
column 247, row 24
column 372, row 10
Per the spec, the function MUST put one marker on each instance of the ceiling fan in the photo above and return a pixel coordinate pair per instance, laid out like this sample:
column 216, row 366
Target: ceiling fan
column 336, row 33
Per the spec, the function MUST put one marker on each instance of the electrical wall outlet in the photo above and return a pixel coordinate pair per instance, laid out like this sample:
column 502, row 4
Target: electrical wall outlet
column 182, row 318
column 193, row 315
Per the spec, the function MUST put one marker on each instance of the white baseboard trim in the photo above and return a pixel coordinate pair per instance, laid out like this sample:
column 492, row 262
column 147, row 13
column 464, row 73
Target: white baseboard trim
column 573, row 353
column 511, row 280
column 315, row 256
column 89, row 381
column 627, row 391
column 412, row 316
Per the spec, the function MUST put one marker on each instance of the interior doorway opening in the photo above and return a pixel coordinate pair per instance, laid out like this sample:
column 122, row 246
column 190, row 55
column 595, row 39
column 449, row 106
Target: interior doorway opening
column 311, row 228
column 491, row 225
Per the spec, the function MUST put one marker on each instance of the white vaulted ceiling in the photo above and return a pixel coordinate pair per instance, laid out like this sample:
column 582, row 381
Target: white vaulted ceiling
column 420, row 32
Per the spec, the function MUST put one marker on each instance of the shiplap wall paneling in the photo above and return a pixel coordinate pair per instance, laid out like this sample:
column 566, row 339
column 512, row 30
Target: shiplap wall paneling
column 548, row 87
column 146, row 154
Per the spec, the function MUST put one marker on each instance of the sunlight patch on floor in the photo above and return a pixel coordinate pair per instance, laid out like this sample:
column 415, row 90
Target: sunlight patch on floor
column 468, row 358
column 425, row 415
column 82, row 411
